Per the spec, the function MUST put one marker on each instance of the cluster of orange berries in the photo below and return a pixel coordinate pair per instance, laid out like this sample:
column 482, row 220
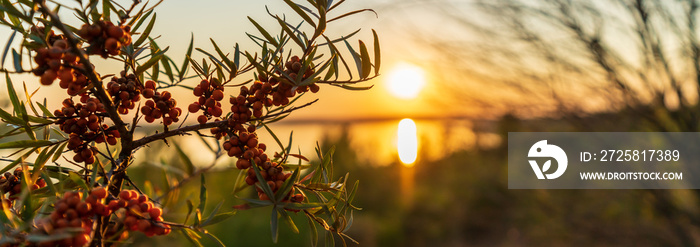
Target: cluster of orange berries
column 159, row 104
column 141, row 214
column 71, row 211
column 83, row 124
column 105, row 38
column 57, row 62
column 10, row 182
column 243, row 142
column 125, row 91
column 210, row 94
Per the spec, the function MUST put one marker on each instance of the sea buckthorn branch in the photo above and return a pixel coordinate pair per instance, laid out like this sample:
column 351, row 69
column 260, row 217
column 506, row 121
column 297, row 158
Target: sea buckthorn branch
column 184, row 130
column 99, row 91
column 279, row 80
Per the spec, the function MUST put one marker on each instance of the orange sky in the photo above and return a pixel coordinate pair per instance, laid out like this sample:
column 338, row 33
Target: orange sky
column 226, row 23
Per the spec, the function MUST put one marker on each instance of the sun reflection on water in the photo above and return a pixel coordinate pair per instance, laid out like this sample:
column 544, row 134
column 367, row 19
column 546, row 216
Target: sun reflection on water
column 407, row 142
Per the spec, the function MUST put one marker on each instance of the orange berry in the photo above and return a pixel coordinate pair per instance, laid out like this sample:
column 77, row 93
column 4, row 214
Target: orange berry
column 194, row 107
column 151, row 84
column 202, row 119
column 124, row 195
column 142, row 198
column 99, row 192
column 115, row 32
column 155, row 212
column 48, row 77
column 217, row 95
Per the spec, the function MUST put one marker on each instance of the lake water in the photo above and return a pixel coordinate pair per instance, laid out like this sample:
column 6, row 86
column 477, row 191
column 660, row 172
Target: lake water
column 375, row 142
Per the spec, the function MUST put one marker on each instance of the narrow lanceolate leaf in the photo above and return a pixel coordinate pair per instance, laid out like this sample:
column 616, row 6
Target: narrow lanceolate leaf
column 355, row 56
column 202, row 194
column 264, row 32
column 154, row 59
column 7, row 49
column 12, row 93
column 26, row 144
column 352, row 13
column 192, row 236
column 186, row 63
column 7, row 117
column 289, row 32
column 146, row 32
column 287, row 185
column 59, row 152
column 366, row 63
column 288, row 219
column 300, row 12
column 223, row 56
column 274, row 224
column 218, row 218
column 377, row 53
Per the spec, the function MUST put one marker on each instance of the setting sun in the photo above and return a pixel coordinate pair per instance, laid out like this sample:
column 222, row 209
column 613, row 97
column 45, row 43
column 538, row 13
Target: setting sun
column 407, row 141
column 405, row 81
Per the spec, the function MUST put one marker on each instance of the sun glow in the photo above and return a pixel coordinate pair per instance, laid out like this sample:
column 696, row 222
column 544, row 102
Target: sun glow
column 405, row 81
column 407, row 141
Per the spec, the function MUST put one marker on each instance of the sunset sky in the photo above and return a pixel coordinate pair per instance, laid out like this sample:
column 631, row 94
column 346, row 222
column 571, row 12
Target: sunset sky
column 226, row 22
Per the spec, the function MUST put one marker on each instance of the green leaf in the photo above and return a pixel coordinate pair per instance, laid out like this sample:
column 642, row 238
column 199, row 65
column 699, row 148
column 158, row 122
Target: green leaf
column 356, row 57
column 12, row 93
column 154, row 59
column 45, row 110
column 289, row 32
column 168, row 70
column 217, row 240
column 274, row 225
column 7, row 48
column 185, row 159
column 26, row 144
column 287, row 185
column 146, row 32
column 377, row 53
column 13, row 12
column 190, row 207
column 304, row 206
column 214, row 219
column 364, row 57
column 313, row 232
column 353, row 88
column 49, row 184
column 274, row 136
column 105, row 10
column 300, row 12
column 202, row 194
column 10, row 119
column 321, row 23
column 59, row 152
column 264, row 186
column 330, row 242
column 352, row 13
column 192, row 236
column 264, row 32
column 43, row 157
column 224, row 58
column 288, row 219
